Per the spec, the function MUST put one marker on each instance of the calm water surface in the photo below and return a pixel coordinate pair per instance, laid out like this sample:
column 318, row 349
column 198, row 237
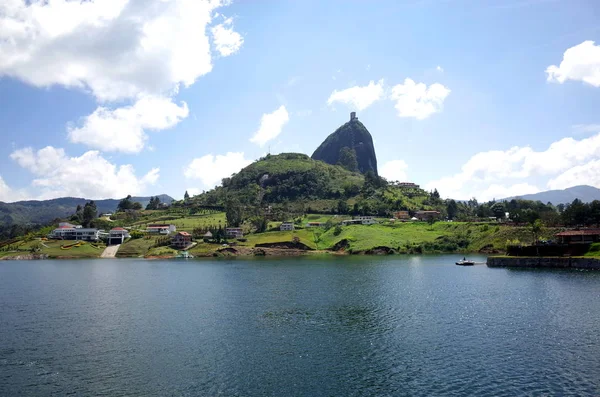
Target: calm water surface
column 415, row 326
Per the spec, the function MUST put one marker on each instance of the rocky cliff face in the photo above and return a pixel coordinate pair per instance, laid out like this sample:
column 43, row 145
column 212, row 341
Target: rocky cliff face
column 351, row 138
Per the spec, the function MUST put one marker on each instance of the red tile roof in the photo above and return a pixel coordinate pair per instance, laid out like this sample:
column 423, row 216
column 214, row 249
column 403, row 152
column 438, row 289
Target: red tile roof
column 117, row 228
column 184, row 234
column 583, row 232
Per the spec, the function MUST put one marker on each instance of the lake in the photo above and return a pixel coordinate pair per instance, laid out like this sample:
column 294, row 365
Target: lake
column 348, row 326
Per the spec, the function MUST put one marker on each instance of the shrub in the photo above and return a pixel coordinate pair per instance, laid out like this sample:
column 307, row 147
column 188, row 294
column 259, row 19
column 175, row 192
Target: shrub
column 337, row 231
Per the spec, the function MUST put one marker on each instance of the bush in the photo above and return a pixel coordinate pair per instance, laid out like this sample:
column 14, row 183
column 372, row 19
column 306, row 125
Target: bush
column 337, row 231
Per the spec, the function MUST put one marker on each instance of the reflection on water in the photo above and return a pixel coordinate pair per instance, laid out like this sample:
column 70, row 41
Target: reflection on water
column 300, row 327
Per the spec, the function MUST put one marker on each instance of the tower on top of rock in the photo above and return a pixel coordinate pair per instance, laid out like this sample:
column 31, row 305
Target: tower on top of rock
column 353, row 116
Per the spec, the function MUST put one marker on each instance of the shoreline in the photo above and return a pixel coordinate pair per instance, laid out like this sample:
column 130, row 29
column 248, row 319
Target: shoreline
column 523, row 262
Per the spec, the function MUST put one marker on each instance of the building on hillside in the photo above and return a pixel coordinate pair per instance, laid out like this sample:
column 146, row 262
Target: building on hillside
column 207, row 236
column 74, row 233
column 314, row 224
column 161, row 229
column 286, row 226
column 117, row 235
column 234, row 232
column 582, row 236
column 402, row 215
column 181, row 240
column 427, row 215
column 360, row 220
column 408, row 185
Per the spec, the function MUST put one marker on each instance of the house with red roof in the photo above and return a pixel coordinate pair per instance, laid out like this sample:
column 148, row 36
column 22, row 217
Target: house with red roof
column 117, row 235
column 581, row 236
column 181, row 240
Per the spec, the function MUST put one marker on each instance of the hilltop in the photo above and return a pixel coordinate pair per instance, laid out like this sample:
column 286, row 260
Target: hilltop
column 585, row 193
column 350, row 146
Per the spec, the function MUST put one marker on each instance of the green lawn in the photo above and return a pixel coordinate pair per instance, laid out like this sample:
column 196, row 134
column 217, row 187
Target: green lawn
column 135, row 247
column 53, row 250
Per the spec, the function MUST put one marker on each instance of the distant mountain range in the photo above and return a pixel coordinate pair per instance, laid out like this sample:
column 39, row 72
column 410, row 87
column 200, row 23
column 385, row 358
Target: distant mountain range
column 584, row 193
column 40, row 212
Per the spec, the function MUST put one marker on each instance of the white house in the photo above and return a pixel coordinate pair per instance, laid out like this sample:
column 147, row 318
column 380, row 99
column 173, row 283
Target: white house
column 286, row 226
column 74, row 233
column 117, row 235
column 360, row 220
column 161, row 229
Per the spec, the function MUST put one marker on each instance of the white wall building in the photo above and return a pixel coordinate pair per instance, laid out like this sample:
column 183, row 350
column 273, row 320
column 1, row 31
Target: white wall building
column 161, row 229
column 74, row 233
column 286, row 226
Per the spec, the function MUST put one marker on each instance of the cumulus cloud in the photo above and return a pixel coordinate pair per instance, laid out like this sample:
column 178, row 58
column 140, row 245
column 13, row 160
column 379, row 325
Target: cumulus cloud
column 497, row 173
column 227, row 41
column 210, row 169
column 7, row 194
column 124, row 129
column 88, row 176
column 439, row 68
column 580, row 63
column 117, row 50
column 271, row 125
column 417, row 100
column 584, row 174
column 394, row 170
column 357, row 97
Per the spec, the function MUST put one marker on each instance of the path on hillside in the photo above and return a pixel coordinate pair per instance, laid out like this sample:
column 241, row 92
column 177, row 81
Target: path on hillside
column 110, row 252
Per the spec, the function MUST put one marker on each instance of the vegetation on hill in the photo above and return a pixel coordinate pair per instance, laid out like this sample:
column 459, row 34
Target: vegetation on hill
column 350, row 146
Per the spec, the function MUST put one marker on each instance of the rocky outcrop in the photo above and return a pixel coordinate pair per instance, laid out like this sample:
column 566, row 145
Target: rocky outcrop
column 545, row 262
column 25, row 257
column 351, row 139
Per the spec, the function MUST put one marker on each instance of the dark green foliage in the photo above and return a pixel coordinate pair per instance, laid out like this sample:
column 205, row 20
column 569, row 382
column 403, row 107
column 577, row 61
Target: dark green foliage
column 136, row 206
column 186, row 196
column 233, row 212
column 347, row 159
column 125, row 204
column 90, row 212
column 260, row 223
column 354, row 136
column 451, row 209
column 338, row 230
column 342, row 207
column 154, row 203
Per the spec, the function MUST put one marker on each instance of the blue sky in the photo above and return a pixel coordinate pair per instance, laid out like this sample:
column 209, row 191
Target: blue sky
column 111, row 97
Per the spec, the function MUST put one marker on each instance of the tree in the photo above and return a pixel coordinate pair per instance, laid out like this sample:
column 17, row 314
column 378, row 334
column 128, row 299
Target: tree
column 260, row 223
column 435, row 195
column 451, row 209
column 125, row 204
column 498, row 210
column 90, row 212
column 186, row 196
column 347, row 159
column 79, row 214
column 536, row 229
column 136, row 206
column 342, row 207
column 154, row 203
column 233, row 212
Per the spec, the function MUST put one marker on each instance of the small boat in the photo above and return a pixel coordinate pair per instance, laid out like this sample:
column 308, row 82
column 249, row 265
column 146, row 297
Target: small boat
column 184, row 255
column 465, row 262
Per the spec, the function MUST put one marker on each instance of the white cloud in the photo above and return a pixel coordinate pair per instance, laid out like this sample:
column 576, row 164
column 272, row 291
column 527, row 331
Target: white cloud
column 394, row 170
column 270, row 126
column 211, row 169
column 417, row 100
column 88, row 176
column 358, row 98
column 123, row 129
column 7, row 194
column 193, row 191
column 580, row 63
column 566, row 162
column 584, row 174
column 227, row 41
column 117, row 49
column 439, row 68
